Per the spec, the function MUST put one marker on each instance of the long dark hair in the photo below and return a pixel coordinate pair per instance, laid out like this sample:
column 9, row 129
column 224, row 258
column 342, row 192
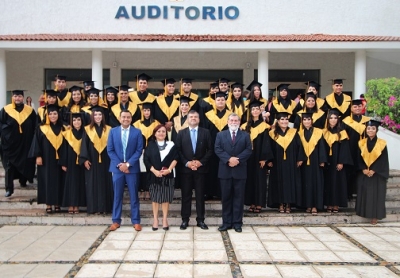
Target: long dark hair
column 276, row 135
column 337, row 128
column 232, row 98
column 103, row 120
column 252, row 98
column 72, row 102
column 250, row 121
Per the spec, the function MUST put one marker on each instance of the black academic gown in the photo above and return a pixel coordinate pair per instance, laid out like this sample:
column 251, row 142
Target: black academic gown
column 66, row 111
column 63, row 97
column 256, row 182
column 216, row 121
column 341, row 102
column 284, row 105
column 166, row 108
column 338, row 151
column 284, row 184
column 50, row 176
column 371, row 191
column 16, row 140
column 312, row 174
column 116, row 111
column 319, row 119
column 98, row 179
column 74, row 188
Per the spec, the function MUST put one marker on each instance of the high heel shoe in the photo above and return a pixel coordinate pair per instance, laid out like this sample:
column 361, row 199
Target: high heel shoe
column 154, row 229
column 166, row 228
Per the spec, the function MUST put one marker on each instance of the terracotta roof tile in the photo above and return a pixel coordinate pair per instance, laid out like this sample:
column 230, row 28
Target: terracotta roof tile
column 200, row 38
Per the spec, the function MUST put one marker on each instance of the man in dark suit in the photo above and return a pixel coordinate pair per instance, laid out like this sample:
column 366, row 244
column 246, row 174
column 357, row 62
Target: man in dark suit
column 193, row 167
column 124, row 147
column 233, row 147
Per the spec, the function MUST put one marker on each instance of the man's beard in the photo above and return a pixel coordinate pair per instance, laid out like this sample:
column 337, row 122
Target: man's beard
column 233, row 127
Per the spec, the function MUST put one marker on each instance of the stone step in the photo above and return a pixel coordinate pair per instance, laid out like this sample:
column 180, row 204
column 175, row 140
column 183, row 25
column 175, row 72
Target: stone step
column 267, row 217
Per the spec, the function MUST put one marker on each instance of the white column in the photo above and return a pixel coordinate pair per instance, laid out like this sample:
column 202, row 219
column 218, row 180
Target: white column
column 97, row 68
column 360, row 73
column 3, row 79
column 263, row 71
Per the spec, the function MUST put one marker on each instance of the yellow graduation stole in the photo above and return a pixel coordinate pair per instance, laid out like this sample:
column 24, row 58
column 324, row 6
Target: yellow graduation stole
column 75, row 108
column 177, row 123
column 99, row 143
column 73, row 142
column 42, row 113
column 284, row 141
column 320, row 102
column 309, row 146
column 210, row 101
column 330, row 99
column 136, row 100
column 169, row 111
column 116, row 109
column 55, row 140
column 255, row 131
column 19, row 117
column 331, row 138
column 237, row 109
column 147, row 131
column 219, row 123
column 357, row 126
column 279, row 107
column 301, row 101
column 371, row 157
column 65, row 101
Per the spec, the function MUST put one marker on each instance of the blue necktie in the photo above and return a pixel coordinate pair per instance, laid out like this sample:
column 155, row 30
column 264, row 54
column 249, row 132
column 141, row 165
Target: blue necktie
column 193, row 137
column 124, row 141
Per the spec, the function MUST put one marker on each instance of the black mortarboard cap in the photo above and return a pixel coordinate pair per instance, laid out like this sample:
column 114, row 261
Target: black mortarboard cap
column 143, row 76
column 52, row 107
column 93, row 91
column 356, row 101
column 213, row 85
column 111, row 89
column 51, row 93
column 168, row 81
column 335, row 111
column 185, row 99
column 76, row 115
column 147, row 105
column 337, row 80
column 255, row 103
column 220, row 94
column 313, row 84
column 75, row 88
column 306, row 115
column 88, row 83
column 373, row 122
column 97, row 108
column 124, row 88
column 60, row 77
column 283, row 86
column 187, row 80
column 223, row 80
column 282, row 114
column 311, row 95
column 254, row 83
column 18, row 92
column 237, row 85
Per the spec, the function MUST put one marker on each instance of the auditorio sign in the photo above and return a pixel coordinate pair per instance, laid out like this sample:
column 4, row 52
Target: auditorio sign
column 178, row 12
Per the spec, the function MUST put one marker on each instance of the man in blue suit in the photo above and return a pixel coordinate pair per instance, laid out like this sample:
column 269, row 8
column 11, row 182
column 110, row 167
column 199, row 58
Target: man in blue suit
column 233, row 147
column 124, row 147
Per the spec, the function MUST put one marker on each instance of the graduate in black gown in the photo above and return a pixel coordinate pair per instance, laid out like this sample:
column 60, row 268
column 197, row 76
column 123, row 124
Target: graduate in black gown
column 94, row 157
column 208, row 103
column 180, row 122
column 46, row 148
column 124, row 103
column 256, row 182
column 311, row 106
column 373, row 166
column 146, row 126
column 284, row 186
column 141, row 95
column 63, row 94
column 94, row 99
column 74, row 188
column 283, row 103
column 216, row 121
column 235, row 101
column 339, row 157
column 110, row 98
column 255, row 94
column 186, row 90
column 312, row 166
column 75, row 104
column 313, row 87
column 337, row 99
column 355, row 128
column 50, row 98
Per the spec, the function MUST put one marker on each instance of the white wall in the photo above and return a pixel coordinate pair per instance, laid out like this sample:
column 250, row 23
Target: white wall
column 392, row 141
column 356, row 17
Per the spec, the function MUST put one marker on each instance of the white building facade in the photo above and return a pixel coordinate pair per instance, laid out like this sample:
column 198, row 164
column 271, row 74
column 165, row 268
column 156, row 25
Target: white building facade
column 274, row 42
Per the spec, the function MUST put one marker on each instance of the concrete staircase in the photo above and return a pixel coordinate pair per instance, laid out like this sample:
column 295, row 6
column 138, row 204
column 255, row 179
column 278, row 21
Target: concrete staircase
column 22, row 208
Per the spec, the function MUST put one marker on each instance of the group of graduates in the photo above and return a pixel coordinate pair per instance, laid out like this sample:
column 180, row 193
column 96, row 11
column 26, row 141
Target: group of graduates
column 311, row 153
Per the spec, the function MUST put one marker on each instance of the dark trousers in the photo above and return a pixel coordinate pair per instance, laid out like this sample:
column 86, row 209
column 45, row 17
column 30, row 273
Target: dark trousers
column 188, row 182
column 232, row 198
column 11, row 174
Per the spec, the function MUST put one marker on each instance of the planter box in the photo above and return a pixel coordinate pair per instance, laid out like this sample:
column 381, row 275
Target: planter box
column 393, row 145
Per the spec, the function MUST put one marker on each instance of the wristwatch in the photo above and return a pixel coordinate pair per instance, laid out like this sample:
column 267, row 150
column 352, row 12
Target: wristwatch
column 127, row 164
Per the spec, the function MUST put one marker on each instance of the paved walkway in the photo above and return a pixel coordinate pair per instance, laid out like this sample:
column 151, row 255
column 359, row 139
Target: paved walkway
column 260, row 251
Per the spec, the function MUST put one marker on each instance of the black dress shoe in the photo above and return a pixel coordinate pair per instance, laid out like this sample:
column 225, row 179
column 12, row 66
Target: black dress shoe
column 224, row 228
column 184, row 225
column 8, row 194
column 22, row 184
column 154, row 228
column 238, row 229
column 202, row 225
column 166, row 228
